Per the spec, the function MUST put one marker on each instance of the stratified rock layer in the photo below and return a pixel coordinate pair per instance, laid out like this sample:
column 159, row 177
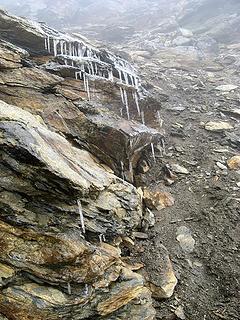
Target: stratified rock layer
column 65, row 204
column 49, row 266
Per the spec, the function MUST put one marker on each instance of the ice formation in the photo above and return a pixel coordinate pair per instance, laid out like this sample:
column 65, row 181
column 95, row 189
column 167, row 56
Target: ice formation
column 81, row 216
column 90, row 63
column 69, row 288
column 153, row 152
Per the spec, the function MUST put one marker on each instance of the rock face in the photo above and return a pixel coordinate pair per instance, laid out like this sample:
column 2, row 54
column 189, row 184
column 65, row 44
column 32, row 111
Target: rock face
column 49, row 266
column 65, row 204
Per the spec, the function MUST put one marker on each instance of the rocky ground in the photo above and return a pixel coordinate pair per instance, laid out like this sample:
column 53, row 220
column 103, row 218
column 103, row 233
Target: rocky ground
column 201, row 228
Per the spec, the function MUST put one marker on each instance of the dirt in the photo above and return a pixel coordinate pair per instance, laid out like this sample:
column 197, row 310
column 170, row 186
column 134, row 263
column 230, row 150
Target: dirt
column 206, row 200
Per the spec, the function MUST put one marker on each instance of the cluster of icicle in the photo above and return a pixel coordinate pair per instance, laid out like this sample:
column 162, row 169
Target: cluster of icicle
column 90, row 63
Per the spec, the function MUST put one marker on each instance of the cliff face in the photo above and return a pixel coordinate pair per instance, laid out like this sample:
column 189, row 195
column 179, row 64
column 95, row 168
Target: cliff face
column 67, row 204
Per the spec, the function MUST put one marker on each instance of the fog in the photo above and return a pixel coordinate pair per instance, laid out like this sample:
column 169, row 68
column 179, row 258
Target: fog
column 117, row 20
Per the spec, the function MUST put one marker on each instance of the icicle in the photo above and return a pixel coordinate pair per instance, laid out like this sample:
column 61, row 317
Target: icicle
column 48, row 44
column 163, row 146
column 92, row 69
column 88, row 91
column 102, row 238
column 120, row 75
column 61, row 47
column 96, row 68
column 122, row 95
column 111, row 75
column 121, row 112
column 81, row 216
column 46, row 48
column 122, row 170
column 143, row 117
column 131, row 171
column 153, row 152
column 69, row 288
column 135, row 97
column 130, row 144
column 160, row 120
column 86, row 291
column 126, row 77
column 54, row 47
column 84, row 81
column 126, row 103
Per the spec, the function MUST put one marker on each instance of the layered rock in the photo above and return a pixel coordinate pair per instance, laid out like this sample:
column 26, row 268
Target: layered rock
column 63, row 210
column 49, row 266
column 62, row 102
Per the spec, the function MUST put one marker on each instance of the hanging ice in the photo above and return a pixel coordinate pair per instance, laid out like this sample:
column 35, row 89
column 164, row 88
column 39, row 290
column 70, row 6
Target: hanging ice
column 160, row 120
column 81, row 216
column 126, row 103
column 135, row 97
column 102, row 238
column 143, row 117
column 89, row 63
column 69, row 288
column 163, row 146
column 153, row 152
column 122, row 169
column 131, row 171
column 86, row 290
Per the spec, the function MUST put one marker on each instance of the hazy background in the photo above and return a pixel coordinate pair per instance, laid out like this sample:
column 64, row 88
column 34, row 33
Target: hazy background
column 121, row 20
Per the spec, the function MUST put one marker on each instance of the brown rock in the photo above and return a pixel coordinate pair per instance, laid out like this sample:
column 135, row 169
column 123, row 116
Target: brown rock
column 42, row 177
column 234, row 162
column 10, row 55
column 158, row 199
column 160, row 275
